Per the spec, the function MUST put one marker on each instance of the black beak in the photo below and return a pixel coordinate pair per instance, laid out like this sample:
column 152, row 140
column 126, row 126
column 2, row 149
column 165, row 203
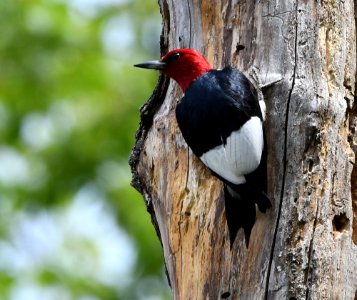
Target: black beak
column 155, row 64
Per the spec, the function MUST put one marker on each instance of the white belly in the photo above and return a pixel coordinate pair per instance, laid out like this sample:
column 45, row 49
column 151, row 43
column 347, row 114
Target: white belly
column 240, row 155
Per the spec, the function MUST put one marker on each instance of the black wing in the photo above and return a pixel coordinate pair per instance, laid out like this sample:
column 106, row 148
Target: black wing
column 209, row 105
column 215, row 105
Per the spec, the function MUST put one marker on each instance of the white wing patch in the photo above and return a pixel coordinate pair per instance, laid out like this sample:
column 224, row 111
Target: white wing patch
column 241, row 155
column 263, row 108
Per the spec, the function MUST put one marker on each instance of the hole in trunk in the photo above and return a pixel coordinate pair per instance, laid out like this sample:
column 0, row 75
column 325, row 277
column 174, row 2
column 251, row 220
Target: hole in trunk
column 340, row 223
column 225, row 295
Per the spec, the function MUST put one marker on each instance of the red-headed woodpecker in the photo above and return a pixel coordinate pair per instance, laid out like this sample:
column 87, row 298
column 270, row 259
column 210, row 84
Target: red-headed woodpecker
column 222, row 122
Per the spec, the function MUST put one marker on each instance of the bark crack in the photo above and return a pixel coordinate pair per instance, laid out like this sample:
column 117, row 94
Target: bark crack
column 277, row 15
column 147, row 112
column 353, row 140
column 285, row 161
column 307, row 275
column 181, row 250
column 353, row 143
column 190, row 23
column 188, row 168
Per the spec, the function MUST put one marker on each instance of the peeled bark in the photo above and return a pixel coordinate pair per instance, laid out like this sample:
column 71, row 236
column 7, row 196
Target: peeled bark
column 305, row 247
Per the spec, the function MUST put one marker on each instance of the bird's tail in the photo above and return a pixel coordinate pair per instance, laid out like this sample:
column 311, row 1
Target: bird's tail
column 240, row 203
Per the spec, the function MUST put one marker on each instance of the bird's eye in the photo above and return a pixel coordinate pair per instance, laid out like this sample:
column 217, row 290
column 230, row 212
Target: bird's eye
column 173, row 57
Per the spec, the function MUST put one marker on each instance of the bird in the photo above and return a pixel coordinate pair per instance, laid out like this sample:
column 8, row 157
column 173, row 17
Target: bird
column 222, row 121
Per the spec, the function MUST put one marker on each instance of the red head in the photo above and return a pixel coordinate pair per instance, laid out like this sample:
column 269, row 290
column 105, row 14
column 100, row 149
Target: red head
column 182, row 65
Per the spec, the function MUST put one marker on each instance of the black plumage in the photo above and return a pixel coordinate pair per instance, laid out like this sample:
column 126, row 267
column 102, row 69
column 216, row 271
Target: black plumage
column 215, row 105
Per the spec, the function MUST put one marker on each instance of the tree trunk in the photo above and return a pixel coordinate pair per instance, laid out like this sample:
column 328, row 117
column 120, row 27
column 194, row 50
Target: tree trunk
column 305, row 247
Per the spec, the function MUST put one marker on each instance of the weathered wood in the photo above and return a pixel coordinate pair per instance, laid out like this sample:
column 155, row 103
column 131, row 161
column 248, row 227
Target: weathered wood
column 305, row 246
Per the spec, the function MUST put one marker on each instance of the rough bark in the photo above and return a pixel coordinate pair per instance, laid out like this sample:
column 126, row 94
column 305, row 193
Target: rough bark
column 305, row 247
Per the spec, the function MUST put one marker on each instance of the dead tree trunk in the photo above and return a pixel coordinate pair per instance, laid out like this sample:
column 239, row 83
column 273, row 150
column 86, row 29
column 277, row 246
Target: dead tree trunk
column 305, row 247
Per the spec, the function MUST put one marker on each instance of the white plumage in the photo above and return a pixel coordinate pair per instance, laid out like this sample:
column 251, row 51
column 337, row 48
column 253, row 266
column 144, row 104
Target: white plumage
column 263, row 108
column 240, row 155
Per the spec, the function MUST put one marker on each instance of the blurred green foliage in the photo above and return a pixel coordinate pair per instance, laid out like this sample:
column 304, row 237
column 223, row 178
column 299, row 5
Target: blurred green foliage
column 69, row 102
